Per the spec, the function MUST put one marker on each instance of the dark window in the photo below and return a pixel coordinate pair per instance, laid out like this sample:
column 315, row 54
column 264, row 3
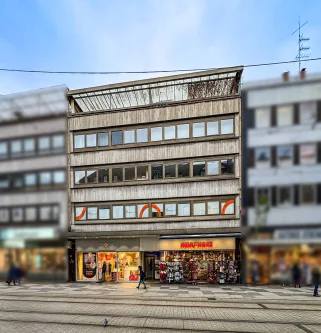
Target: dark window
column 142, row 172
column 103, row 175
column 4, row 182
column 273, row 116
column 116, row 138
column 92, row 176
column 17, row 181
column 157, row 171
column 170, row 170
column 319, row 111
column 296, row 114
column 117, row 174
column 198, row 169
column 227, row 166
column 308, row 194
column 183, row 169
column 273, row 196
column 130, row 173
column 273, row 156
column 285, row 195
column 296, row 160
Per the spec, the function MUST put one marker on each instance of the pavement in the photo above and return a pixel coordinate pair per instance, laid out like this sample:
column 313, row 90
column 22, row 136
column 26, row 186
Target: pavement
column 82, row 307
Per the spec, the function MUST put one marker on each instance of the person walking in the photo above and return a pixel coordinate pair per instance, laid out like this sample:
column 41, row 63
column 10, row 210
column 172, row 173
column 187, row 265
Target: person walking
column 316, row 279
column 296, row 275
column 103, row 271
column 142, row 277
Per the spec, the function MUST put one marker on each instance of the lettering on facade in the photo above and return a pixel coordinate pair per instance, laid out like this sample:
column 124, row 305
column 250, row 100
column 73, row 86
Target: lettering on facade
column 196, row 245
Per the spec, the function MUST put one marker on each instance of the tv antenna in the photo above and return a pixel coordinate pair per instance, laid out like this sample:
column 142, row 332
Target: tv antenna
column 302, row 48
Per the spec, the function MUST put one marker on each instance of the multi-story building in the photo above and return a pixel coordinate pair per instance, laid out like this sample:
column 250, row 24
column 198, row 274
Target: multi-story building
column 154, row 176
column 282, row 174
column 33, row 196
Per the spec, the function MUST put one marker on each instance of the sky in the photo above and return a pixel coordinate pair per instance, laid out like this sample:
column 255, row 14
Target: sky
column 140, row 35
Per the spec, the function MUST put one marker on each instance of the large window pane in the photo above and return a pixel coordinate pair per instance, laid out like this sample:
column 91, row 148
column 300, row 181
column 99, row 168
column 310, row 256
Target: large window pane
column 227, row 207
column 227, row 166
column 213, row 168
column 198, row 169
column 16, row 147
column 80, row 177
column 117, row 138
column 91, row 140
column 308, row 194
column 17, row 181
column 184, row 209
column 142, row 172
column 284, row 155
column 118, row 212
column 80, row 214
column 143, row 210
column 4, row 182
column 183, row 169
column 117, row 174
column 199, row 208
column 4, row 215
column 156, row 134
column 285, row 115
column 142, row 135
column 103, row 175
column 213, row 207
column 169, row 132
column 262, row 157
column 29, row 146
column 183, row 131
column 170, row 170
column 130, row 173
column 130, row 211
column 157, row 210
column 45, row 178
column 262, row 117
column 308, row 112
column 157, row 171
column 227, row 126
column 59, row 177
column 3, row 150
column 91, row 176
column 198, row 130
column 31, row 214
column 104, row 213
column 129, row 136
column 285, row 196
column 17, row 214
column 30, row 179
column 45, row 213
column 170, row 209
column 55, row 212
column 308, row 154
column 92, row 213
column 212, row 128
column 58, row 141
column 103, row 139
column 44, row 144
column 79, row 141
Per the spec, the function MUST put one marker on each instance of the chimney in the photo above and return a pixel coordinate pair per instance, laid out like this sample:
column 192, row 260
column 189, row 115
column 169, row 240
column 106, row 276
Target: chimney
column 302, row 73
column 285, row 76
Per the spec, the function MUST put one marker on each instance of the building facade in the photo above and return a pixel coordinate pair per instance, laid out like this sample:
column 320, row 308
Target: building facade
column 154, row 178
column 33, row 191
column 281, row 177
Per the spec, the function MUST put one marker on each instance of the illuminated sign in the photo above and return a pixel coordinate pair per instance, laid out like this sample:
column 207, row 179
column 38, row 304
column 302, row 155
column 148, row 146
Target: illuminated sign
column 196, row 245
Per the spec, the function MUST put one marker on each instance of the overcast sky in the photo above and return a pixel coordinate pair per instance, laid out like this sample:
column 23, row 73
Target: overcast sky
column 134, row 35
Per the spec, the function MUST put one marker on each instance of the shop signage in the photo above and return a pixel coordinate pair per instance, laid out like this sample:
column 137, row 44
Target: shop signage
column 196, row 245
column 297, row 234
column 32, row 233
column 89, row 265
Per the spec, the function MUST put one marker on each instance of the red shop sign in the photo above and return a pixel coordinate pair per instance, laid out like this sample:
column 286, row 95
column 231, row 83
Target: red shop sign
column 196, row 245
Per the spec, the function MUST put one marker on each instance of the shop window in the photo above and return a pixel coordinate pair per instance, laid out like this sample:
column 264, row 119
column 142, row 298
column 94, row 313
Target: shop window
column 143, row 210
column 227, row 167
column 3, row 150
column 118, row 212
column 4, row 182
column 199, row 208
column 262, row 157
column 117, row 174
column 262, row 117
column 263, row 196
column 183, row 131
column 169, row 133
column 79, row 141
column 45, row 213
column 91, row 140
column 87, row 266
column 213, row 207
column 58, row 141
column 308, row 154
column 198, row 130
column 227, row 126
column 285, row 115
column 308, row 112
column 45, row 178
column 213, row 168
column 184, row 209
column 91, row 176
column 81, row 213
column 130, row 173
column 104, row 213
column 285, row 196
column 170, row 171
column 117, row 138
column 130, row 211
column 227, row 207
column 103, row 175
column 31, row 214
column 17, row 214
column 183, row 169
column 80, row 177
column 4, row 215
column 170, row 209
column 157, row 210
column 92, row 213
column 285, row 155
column 16, row 148
column 142, row 172
column 212, row 128
column 17, row 181
column 142, row 135
column 156, row 134
column 157, row 171
column 103, row 139
column 29, row 146
column 59, row 177
column 30, row 179
column 308, row 195
column 129, row 136
column 198, row 169
column 128, row 263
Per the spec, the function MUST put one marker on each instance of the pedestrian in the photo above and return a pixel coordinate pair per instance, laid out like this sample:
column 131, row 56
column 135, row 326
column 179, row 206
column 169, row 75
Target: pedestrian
column 14, row 275
column 142, row 277
column 103, row 271
column 296, row 275
column 316, row 279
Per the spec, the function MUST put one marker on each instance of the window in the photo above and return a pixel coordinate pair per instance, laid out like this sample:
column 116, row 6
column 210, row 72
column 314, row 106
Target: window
column 45, row 213
column 31, row 214
column 91, row 140
column 284, row 155
column 157, row 171
column 308, row 112
column 183, row 131
column 142, row 172
column 92, row 213
column 79, row 141
column 29, row 146
column 129, row 136
column 30, row 179
column 142, row 135
column 156, row 134
column 130, row 211
column 170, row 209
column 308, row 194
column 285, row 196
column 44, row 144
column 80, row 213
column 262, row 117
column 184, row 209
column 199, row 208
column 143, row 210
column 263, row 196
column 262, row 157
column 213, row 207
column 212, row 128
column 58, row 141
column 183, row 169
column 17, row 214
column 157, row 210
column 116, row 138
column 103, row 139
column 170, row 171
column 59, row 177
column 169, row 133
column 3, row 150
column 130, row 173
column 4, row 215
column 117, row 174
column 17, row 181
column 91, row 176
column 227, row 126
column 118, row 212
column 285, row 115
column 80, row 177
column 55, row 213
column 104, row 213
column 227, row 207
column 45, row 178
column 198, row 169
column 16, row 147
column 213, row 168
column 4, row 182
column 103, row 175
column 227, row 167
column 308, row 154
column 198, row 130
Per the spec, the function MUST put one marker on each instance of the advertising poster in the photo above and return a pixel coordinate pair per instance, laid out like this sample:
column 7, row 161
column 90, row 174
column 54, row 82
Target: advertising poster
column 89, row 265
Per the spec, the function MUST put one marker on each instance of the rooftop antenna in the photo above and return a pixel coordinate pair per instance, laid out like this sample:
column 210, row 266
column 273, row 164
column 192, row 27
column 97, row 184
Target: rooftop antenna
column 301, row 50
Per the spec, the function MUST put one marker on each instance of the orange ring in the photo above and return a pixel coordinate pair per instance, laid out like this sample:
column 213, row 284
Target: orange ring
column 229, row 202
column 159, row 213
column 81, row 215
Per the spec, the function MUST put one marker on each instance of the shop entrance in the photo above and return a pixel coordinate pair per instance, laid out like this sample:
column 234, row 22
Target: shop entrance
column 151, row 265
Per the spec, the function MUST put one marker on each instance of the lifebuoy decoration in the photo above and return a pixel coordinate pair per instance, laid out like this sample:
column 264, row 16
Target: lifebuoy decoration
column 81, row 215
column 159, row 213
column 227, row 203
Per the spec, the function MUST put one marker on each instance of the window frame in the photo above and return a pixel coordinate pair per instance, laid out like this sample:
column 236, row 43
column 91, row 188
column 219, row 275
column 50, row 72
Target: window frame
column 278, row 195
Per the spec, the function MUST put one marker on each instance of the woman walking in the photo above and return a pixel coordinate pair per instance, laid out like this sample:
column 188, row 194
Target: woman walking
column 142, row 277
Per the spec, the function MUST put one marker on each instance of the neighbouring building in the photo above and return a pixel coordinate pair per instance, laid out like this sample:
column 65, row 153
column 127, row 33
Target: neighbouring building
column 282, row 175
column 154, row 172
column 33, row 191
